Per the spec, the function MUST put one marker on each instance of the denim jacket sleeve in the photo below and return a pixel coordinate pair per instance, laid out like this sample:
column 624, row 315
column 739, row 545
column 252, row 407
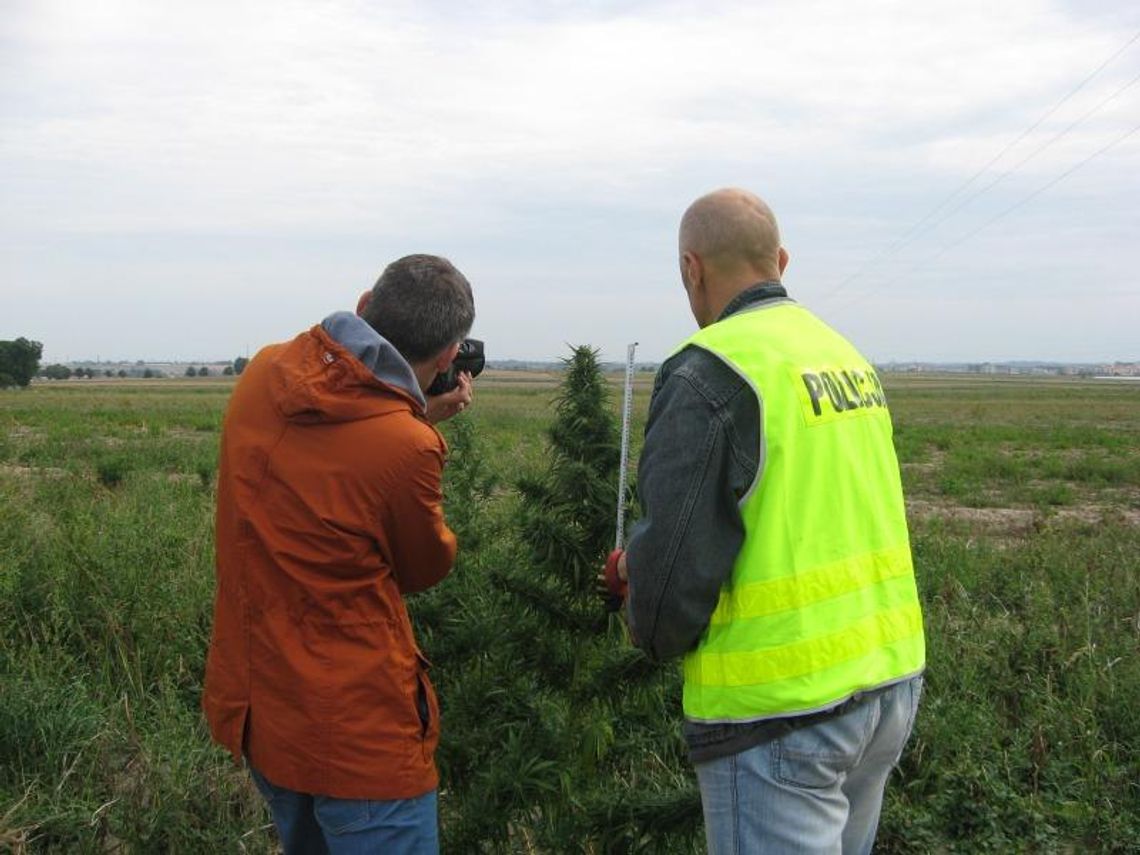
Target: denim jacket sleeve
column 701, row 455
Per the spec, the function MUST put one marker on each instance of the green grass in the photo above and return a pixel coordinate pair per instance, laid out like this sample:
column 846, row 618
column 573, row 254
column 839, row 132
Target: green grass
column 1026, row 525
column 987, row 442
column 1030, row 727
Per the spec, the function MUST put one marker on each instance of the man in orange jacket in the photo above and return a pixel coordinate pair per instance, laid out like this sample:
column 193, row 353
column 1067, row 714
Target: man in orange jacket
column 329, row 511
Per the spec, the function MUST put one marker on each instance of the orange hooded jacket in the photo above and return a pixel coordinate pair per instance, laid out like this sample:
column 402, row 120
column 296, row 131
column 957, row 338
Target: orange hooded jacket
column 329, row 509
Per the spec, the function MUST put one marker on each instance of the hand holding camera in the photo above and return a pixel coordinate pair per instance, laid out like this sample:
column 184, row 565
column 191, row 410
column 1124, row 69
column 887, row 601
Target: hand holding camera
column 469, row 361
column 450, row 391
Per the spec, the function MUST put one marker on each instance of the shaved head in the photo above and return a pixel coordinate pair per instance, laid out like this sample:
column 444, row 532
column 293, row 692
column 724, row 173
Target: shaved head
column 732, row 231
column 729, row 242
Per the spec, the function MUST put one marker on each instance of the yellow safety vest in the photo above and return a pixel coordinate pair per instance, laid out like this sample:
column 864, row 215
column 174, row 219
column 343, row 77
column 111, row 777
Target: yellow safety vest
column 822, row 602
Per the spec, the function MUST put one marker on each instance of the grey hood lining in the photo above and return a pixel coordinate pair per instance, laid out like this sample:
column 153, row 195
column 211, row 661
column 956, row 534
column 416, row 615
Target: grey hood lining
column 374, row 351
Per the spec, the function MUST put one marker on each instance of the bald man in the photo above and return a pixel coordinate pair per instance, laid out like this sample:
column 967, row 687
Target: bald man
column 773, row 553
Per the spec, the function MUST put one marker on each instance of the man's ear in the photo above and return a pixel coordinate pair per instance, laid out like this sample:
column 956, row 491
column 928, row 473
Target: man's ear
column 783, row 260
column 692, row 270
column 363, row 302
column 445, row 358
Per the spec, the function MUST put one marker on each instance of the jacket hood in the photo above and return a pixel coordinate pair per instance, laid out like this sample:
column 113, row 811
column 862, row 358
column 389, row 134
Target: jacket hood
column 342, row 370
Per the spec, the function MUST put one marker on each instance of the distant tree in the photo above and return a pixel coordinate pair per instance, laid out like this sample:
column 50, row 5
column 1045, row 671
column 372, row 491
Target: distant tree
column 107, row 372
column 149, row 372
column 228, row 371
column 122, row 372
column 203, row 371
column 239, row 364
column 191, row 371
column 19, row 361
column 55, row 371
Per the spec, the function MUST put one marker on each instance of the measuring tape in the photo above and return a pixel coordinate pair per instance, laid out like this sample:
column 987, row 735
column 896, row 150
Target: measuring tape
column 623, row 475
column 616, row 585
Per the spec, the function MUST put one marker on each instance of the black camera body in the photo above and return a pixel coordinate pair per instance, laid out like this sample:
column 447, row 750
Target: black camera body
column 469, row 359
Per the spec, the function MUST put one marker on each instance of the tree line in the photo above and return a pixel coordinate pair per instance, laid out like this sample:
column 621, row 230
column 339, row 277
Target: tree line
column 20, row 362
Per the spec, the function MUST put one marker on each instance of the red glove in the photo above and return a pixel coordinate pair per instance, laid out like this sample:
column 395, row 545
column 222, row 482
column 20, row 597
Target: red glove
column 616, row 586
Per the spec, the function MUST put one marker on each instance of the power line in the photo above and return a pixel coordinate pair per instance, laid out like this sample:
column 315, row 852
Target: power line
column 1015, row 206
column 909, row 235
column 1047, row 144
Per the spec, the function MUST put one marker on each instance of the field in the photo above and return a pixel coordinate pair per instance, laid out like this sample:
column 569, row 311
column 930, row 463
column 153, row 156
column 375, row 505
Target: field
column 1024, row 503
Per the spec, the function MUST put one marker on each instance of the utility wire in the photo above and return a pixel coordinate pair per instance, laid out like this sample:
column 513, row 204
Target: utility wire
column 909, row 235
column 1016, row 205
column 1047, row 144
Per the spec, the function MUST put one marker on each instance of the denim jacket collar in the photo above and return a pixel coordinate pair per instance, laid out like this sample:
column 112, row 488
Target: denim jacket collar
column 761, row 291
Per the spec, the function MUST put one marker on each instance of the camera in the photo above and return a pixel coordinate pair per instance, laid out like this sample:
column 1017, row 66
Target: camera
column 469, row 359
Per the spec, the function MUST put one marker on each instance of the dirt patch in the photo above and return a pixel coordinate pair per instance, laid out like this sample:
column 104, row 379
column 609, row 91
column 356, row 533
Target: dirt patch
column 1019, row 522
column 1007, row 521
column 921, row 468
column 191, row 434
column 25, row 433
column 183, row 478
column 933, row 463
column 1096, row 513
column 16, row 470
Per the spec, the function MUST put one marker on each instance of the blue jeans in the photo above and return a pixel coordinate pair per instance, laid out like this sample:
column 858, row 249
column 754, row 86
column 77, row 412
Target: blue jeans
column 315, row 825
column 816, row 789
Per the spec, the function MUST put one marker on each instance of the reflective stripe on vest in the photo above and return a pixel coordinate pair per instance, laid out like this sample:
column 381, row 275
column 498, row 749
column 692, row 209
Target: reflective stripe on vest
column 822, row 602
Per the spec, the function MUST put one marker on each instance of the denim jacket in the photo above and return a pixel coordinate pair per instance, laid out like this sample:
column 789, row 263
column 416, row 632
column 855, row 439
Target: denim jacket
column 701, row 455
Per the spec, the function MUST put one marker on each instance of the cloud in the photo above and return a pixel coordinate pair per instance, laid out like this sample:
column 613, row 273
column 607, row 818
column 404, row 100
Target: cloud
column 334, row 115
column 550, row 145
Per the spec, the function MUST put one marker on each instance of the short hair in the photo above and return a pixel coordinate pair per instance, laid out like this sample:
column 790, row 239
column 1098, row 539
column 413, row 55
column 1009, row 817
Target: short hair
column 422, row 305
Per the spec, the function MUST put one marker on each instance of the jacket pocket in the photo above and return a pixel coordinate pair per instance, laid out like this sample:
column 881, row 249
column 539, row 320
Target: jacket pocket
column 427, row 706
column 423, row 709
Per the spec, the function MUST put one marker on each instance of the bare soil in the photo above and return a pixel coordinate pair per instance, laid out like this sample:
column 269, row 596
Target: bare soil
column 1020, row 522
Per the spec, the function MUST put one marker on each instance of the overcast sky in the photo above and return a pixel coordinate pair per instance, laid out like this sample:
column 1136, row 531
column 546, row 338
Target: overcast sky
column 193, row 180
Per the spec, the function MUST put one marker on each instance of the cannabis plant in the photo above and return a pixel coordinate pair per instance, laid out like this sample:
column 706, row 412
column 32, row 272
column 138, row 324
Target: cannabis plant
column 557, row 735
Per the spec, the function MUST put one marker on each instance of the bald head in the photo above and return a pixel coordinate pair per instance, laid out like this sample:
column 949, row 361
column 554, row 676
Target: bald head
column 729, row 241
column 734, row 232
